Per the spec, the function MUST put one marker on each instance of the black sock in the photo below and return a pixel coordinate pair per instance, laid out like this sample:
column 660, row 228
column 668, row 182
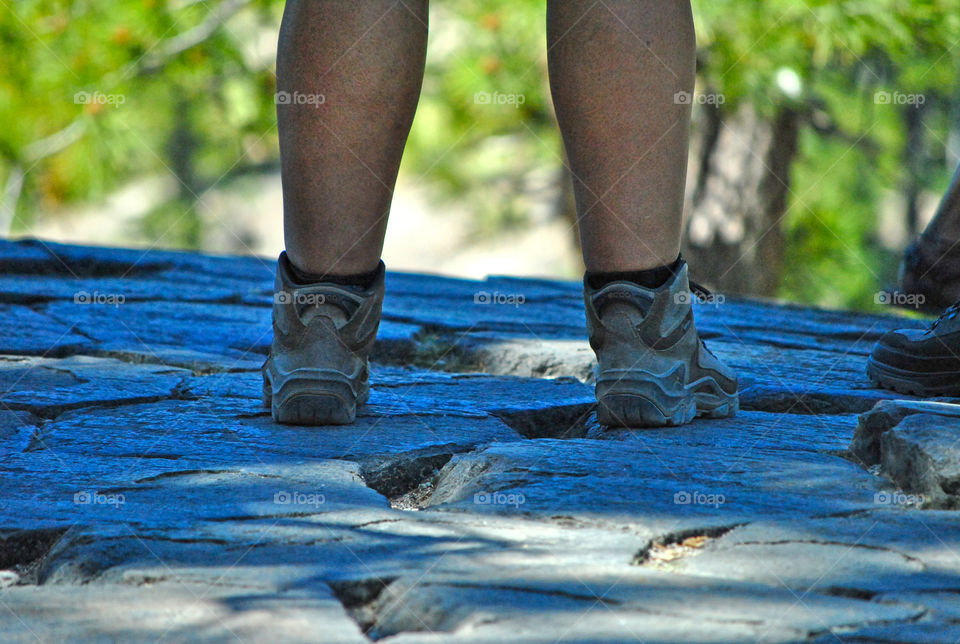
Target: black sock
column 359, row 280
column 651, row 278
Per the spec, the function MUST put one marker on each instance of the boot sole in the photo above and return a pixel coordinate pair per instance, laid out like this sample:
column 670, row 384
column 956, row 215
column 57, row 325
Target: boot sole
column 913, row 383
column 645, row 402
column 303, row 401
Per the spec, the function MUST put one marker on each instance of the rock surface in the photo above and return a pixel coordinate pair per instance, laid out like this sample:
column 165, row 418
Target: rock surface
column 148, row 496
column 917, row 445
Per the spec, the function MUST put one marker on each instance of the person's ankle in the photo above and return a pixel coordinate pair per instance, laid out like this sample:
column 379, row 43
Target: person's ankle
column 360, row 281
column 652, row 278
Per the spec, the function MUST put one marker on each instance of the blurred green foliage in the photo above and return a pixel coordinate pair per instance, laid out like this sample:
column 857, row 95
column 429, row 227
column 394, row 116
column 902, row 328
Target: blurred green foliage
column 197, row 101
column 853, row 150
column 124, row 88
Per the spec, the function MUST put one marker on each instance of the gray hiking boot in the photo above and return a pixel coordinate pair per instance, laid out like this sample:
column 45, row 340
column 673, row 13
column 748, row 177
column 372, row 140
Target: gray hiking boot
column 653, row 369
column 322, row 334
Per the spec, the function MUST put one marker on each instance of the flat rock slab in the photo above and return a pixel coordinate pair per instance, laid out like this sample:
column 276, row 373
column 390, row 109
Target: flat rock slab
column 674, row 479
column 148, row 496
column 175, row 610
column 602, row 608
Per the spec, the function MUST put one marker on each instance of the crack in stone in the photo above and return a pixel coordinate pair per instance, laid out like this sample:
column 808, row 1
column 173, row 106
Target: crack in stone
column 849, row 631
column 358, row 597
column 80, row 380
column 53, row 411
column 827, row 542
column 408, row 478
column 536, row 591
column 206, row 369
column 646, row 554
column 369, row 523
column 22, row 553
column 805, row 403
column 56, row 351
column 842, row 515
column 35, row 443
column 564, row 421
column 194, row 472
column 259, row 517
column 848, row 592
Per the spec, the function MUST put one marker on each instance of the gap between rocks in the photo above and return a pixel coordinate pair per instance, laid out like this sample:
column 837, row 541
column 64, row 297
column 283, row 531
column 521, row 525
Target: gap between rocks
column 22, row 553
column 408, row 479
column 51, row 412
column 359, row 597
column 563, row 422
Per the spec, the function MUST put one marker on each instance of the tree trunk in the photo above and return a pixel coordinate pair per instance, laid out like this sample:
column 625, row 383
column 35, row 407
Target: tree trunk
column 737, row 195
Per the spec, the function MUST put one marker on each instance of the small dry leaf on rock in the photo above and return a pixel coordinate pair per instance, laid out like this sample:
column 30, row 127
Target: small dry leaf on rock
column 695, row 542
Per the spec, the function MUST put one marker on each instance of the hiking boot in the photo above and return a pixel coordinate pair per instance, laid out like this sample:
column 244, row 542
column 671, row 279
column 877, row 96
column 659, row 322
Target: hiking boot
column 652, row 367
column 322, row 334
column 930, row 272
column 918, row 362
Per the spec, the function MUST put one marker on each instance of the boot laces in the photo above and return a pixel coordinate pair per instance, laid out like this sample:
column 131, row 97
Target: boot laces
column 952, row 311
